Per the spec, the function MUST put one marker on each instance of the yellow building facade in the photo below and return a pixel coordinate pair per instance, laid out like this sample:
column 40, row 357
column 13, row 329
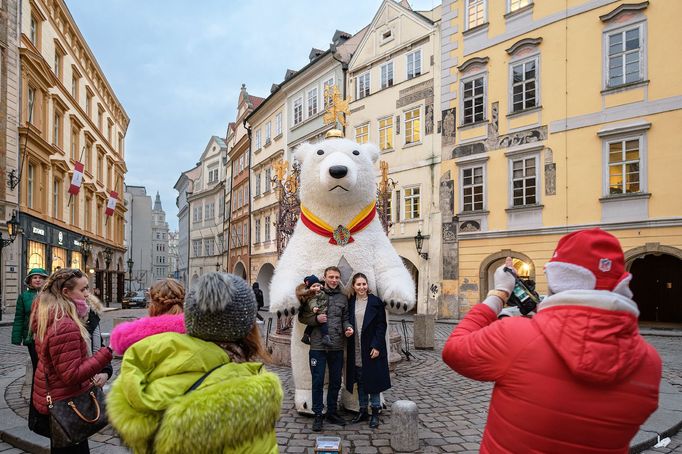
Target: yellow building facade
column 69, row 113
column 558, row 117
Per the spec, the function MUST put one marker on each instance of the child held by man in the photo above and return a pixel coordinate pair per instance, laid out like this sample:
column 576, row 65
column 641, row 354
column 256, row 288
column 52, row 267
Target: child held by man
column 313, row 301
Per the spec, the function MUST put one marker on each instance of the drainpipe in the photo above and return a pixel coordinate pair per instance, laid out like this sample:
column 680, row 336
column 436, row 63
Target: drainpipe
column 248, row 132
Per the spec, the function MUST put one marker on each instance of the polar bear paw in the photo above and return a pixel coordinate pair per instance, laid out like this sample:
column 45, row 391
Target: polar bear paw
column 285, row 306
column 399, row 302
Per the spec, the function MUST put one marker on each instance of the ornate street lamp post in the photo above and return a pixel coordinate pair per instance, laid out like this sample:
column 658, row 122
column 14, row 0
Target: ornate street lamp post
column 418, row 243
column 217, row 266
column 12, row 231
column 108, row 253
column 86, row 248
column 130, row 264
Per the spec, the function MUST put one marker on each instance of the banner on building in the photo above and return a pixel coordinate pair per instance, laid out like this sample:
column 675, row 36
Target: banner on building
column 111, row 203
column 77, row 179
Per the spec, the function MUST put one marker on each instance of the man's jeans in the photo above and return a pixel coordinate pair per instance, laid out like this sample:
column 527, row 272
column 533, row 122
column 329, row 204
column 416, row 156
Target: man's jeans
column 319, row 359
column 374, row 399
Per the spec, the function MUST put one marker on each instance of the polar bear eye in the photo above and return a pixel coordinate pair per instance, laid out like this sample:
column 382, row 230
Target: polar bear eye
column 356, row 152
column 320, row 152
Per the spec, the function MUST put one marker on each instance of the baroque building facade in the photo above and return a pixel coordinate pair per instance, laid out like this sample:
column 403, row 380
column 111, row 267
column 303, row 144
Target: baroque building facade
column 393, row 84
column 558, row 117
column 160, row 241
column 69, row 114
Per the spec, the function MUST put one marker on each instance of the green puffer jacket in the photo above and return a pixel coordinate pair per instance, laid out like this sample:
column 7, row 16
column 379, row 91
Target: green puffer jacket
column 21, row 335
column 234, row 410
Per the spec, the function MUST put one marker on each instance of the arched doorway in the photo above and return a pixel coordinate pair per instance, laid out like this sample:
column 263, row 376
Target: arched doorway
column 414, row 273
column 657, row 287
column 239, row 270
column 522, row 264
column 263, row 279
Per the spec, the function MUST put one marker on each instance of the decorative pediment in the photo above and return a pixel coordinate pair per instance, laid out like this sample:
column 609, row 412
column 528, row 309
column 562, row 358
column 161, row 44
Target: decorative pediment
column 37, row 69
column 472, row 63
column 625, row 7
column 61, row 105
column 522, row 44
column 76, row 121
column 58, row 162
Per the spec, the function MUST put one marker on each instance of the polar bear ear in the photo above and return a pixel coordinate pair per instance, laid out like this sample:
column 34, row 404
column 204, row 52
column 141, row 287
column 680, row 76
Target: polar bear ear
column 370, row 150
column 303, row 151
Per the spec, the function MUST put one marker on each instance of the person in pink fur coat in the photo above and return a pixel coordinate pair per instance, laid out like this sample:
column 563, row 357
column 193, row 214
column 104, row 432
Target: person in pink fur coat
column 165, row 316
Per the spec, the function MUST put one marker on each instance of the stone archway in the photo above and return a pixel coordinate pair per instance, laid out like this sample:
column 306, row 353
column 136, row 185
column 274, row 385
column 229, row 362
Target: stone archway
column 490, row 264
column 239, row 270
column 264, row 278
column 656, row 281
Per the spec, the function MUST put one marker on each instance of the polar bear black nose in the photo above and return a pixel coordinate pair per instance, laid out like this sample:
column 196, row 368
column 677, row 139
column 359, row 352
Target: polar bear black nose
column 338, row 171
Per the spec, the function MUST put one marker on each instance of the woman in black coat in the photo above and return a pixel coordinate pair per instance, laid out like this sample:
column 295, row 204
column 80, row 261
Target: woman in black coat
column 367, row 362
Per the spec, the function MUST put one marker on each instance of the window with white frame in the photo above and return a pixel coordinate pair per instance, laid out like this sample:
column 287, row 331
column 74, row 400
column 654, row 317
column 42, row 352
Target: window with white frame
column 414, row 64
column 268, row 179
column 312, row 102
column 624, row 158
column 362, row 85
column 412, row 199
column 278, row 124
column 257, row 183
column 625, row 59
column 327, row 91
column 515, row 5
column 472, row 188
column 268, row 132
column 258, row 140
column 196, row 247
column 473, row 99
column 412, row 126
column 475, row 13
column 257, row 231
column 389, row 207
column 298, row 110
column 362, row 133
column 386, row 133
column 387, row 75
column 212, row 175
column 524, row 87
column 524, row 176
column 267, row 228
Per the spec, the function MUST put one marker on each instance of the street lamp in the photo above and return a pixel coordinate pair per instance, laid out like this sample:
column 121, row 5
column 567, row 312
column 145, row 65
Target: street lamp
column 108, row 252
column 130, row 264
column 419, row 243
column 12, row 230
column 86, row 248
column 217, row 266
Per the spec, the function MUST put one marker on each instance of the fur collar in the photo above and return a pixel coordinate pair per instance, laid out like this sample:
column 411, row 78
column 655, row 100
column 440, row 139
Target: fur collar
column 126, row 334
column 601, row 299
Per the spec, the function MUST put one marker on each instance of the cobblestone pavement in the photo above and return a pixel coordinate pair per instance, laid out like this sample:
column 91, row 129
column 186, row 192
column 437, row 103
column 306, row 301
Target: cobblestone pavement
column 452, row 409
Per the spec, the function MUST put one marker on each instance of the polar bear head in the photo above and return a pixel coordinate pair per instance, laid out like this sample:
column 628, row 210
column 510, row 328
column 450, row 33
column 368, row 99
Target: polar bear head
column 337, row 171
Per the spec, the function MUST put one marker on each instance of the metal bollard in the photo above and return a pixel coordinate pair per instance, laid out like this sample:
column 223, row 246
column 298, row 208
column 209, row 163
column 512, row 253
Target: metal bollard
column 404, row 426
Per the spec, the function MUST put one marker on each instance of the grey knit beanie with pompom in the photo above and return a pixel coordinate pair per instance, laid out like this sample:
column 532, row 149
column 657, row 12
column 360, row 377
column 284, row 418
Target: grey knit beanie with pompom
column 220, row 307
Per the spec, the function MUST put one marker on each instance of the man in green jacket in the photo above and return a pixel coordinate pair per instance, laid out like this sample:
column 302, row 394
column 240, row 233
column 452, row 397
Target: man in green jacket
column 21, row 335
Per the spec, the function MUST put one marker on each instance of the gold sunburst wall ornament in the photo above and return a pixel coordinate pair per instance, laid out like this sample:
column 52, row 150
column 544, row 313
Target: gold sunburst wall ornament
column 337, row 111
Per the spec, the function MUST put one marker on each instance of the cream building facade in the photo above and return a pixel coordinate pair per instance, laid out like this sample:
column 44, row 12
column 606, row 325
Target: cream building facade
column 206, row 204
column 69, row 113
column 558, row 117
column 394, row 84
column 268, row 147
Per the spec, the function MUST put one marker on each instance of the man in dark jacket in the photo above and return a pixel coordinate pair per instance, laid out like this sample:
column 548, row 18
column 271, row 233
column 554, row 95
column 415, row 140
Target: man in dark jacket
column 332, row 355
column 259, row 299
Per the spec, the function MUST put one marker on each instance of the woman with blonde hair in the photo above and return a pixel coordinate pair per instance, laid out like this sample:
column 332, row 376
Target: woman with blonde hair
column 165, row 316
column 66, row 365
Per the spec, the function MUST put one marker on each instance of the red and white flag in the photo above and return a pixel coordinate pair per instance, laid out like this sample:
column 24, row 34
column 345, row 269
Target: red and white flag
column 111, row 203
column 77, row 179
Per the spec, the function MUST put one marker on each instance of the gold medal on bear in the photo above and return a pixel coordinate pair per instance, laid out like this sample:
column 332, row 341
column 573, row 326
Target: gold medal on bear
column 341, row 235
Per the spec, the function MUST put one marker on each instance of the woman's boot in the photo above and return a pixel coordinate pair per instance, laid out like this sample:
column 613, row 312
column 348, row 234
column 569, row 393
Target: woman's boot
column 361, row 416
column 374, row 419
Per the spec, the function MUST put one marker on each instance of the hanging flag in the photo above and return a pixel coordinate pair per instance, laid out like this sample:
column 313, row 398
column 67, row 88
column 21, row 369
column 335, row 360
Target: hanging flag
column 77, row 179
column 111, row 203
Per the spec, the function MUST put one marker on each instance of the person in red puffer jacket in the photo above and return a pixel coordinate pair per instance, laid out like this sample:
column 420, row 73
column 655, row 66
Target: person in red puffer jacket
column 65, row 364
column 577, row 377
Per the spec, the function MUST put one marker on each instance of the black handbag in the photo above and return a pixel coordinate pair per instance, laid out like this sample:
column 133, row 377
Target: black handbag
column 75, row 419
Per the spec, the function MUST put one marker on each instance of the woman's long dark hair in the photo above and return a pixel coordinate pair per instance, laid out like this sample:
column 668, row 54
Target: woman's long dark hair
column 357, row 276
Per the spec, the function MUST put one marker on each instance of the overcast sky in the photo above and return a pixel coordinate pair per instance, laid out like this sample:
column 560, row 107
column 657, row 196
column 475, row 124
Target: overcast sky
column 177, row 67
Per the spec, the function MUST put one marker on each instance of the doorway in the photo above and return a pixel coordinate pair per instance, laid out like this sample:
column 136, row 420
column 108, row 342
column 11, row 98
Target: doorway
column 657, row 287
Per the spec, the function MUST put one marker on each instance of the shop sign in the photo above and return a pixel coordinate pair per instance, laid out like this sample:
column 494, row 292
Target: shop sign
column 38, row 231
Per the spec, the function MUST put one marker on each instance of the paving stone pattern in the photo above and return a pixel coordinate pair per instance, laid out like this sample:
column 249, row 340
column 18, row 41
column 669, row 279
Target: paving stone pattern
column 452, row 409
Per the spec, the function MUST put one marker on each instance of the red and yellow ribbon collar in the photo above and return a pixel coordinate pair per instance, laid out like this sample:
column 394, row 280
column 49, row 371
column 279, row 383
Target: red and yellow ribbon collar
column 340, row 235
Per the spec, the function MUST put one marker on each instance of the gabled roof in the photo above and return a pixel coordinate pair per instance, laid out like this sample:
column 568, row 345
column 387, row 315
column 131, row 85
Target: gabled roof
column 255, row 101
column 373, row 25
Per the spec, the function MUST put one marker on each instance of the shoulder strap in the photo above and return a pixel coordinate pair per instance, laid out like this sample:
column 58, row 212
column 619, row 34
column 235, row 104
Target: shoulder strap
column 201, row 379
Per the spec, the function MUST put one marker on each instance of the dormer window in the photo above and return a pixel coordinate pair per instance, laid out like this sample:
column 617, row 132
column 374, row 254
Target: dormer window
column 386, row 35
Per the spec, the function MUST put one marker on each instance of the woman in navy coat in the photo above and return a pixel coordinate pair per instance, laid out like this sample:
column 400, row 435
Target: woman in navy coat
column 367, row 360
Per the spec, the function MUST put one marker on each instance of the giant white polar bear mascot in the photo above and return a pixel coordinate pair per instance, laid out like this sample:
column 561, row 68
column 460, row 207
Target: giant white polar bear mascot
column 338, row 227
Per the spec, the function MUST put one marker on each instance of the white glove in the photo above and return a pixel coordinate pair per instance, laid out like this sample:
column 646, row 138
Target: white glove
column 503, row 280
